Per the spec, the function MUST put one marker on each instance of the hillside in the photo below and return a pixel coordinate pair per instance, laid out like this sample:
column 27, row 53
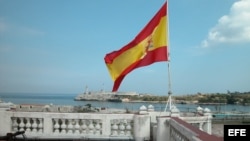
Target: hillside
column 213, row 98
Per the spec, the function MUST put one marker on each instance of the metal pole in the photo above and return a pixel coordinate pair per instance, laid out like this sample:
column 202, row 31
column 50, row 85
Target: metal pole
column 169, row 101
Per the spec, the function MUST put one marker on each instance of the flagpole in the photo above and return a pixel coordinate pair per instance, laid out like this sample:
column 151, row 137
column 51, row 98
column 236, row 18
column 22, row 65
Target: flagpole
column 169, row 101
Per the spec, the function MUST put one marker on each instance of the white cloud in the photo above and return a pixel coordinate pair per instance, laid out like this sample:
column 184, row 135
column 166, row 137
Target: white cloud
column 231, row 28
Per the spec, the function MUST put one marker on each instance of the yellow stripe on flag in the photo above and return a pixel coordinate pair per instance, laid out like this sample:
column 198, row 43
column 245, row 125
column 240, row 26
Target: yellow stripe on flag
column 124, row 60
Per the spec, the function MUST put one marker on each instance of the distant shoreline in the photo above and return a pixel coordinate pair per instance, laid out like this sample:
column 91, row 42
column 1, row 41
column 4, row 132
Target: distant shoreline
column 188, row 102
column 140, row 101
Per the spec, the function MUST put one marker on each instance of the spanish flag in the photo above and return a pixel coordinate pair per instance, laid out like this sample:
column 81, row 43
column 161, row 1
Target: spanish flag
column 148, row 47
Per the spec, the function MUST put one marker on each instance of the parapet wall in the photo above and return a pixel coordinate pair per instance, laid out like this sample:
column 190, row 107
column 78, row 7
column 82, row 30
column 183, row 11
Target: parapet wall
column 147, row 124
column 44, row 125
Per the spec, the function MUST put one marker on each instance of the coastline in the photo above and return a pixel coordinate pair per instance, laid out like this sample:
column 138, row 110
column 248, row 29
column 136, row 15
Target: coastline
column 68, row 99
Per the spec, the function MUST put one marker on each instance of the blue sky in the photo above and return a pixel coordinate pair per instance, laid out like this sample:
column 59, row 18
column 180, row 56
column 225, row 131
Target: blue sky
column 58, row 46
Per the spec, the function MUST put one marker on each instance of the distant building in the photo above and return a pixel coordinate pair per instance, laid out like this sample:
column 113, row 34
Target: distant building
column 127, row 93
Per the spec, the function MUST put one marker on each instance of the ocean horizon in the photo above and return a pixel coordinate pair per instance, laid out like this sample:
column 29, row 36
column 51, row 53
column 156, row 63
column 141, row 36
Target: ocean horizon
column 68, row 99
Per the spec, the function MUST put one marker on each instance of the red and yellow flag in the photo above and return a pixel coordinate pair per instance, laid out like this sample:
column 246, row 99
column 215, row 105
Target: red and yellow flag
column 148, row 47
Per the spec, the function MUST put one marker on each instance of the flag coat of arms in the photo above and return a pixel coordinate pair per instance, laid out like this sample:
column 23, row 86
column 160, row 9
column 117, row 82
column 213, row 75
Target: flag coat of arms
column 148, row 47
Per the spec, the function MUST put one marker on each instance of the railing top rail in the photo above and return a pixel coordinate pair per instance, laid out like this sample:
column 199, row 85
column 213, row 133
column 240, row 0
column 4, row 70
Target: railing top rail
column 203, row 136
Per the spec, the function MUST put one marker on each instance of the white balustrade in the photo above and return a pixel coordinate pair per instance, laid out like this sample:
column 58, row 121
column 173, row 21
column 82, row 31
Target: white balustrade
column 51, row 125
column 176, row 129
column 121, row 127
column 177, row 136
column 202, row 122
column 27, row 124
column 77, row 126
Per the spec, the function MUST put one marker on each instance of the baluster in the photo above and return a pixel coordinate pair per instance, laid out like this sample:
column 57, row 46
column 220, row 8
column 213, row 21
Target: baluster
column 114, row 128
column 77, row 127
column 56, row 126
column 98, row 127
column 200, row 126
column 128, row 128
column 40, row 125
column 28, row 125
column 121, row 128
column 172, row 134
column 179, row 137
column 84, row 127
column 70, row 126
column 34, row 125
column 91, row 127
column 63, row 126
column 21, row 124
column 14, row 124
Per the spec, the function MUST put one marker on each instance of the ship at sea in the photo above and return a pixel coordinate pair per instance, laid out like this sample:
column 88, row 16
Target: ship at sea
column 98, row 96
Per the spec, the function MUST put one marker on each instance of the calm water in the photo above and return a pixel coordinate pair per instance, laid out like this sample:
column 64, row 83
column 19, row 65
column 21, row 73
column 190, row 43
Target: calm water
column 68, row 99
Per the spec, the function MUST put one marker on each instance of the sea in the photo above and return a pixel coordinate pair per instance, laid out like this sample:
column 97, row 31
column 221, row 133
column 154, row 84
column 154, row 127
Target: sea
column 68, row 99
